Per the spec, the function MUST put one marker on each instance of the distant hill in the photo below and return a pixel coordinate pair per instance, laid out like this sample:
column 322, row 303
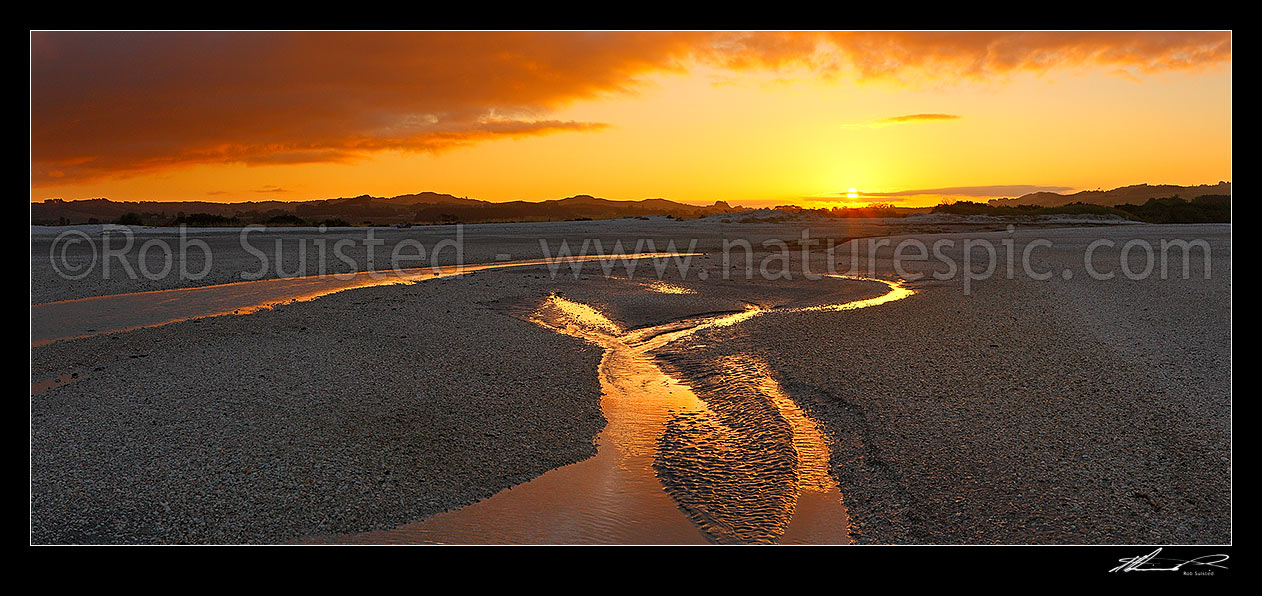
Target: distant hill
column 419, row 208
column 1133, row 195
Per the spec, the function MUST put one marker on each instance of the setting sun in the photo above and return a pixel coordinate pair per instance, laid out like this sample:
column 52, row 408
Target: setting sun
column 756, row 119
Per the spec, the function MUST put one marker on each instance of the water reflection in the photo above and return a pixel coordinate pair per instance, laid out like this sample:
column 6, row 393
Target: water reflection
column 43, row 385
column 83, row 317
column 897, row 291
column 670, row 468
column 662, row 287
column 613, row 497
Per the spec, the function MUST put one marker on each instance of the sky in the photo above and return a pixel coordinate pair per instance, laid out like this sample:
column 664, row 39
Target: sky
column 817, row 119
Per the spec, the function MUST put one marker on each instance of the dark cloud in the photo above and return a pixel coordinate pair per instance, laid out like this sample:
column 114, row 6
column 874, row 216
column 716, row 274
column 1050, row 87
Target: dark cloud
column 984, row 54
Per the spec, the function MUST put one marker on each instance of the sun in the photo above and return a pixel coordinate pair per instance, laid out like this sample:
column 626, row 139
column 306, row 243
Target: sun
column 852, row 193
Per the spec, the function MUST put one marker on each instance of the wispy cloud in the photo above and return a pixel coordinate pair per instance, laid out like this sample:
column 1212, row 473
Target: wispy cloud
column 992, row 191
column 919, row 195
column 919, row 118
column 904, row 119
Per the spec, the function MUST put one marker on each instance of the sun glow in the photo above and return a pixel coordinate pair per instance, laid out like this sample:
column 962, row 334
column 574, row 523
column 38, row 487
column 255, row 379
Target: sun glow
column 624, row 115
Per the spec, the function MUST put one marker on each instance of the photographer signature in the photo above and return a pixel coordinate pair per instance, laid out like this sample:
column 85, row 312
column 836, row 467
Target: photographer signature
column 1151, row 562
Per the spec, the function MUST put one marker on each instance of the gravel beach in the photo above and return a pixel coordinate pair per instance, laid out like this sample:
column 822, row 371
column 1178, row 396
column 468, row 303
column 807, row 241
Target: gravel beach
column 361, row 410
column 1023, row 411
column 1075, row 411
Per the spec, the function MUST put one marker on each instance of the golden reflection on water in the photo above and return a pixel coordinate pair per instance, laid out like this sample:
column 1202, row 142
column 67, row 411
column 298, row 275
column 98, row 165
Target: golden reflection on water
column 819, row 515
column 95, row 315
column 898, row 291
column 611, row 498
column 808, row 440
column 636, row 396
column 576, row 318
column 43, row 385
column 750, row 312
column 662, row 287
column 616, row 497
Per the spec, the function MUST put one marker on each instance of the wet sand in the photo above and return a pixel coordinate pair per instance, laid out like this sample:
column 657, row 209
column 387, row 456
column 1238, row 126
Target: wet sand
column 1059, row 411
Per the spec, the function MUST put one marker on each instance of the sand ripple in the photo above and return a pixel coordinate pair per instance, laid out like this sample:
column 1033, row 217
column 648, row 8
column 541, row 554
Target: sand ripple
column 734, row 467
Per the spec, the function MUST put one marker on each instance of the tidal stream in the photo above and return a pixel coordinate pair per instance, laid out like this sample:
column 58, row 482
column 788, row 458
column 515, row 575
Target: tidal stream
column 693, row 452
column 727, row 459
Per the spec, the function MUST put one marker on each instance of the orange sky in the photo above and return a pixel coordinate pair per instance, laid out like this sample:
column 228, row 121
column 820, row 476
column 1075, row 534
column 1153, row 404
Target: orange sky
column 750, row 118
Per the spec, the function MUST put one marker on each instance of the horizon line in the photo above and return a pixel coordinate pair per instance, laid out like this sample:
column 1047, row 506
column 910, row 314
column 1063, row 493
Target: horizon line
column 840, row 196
